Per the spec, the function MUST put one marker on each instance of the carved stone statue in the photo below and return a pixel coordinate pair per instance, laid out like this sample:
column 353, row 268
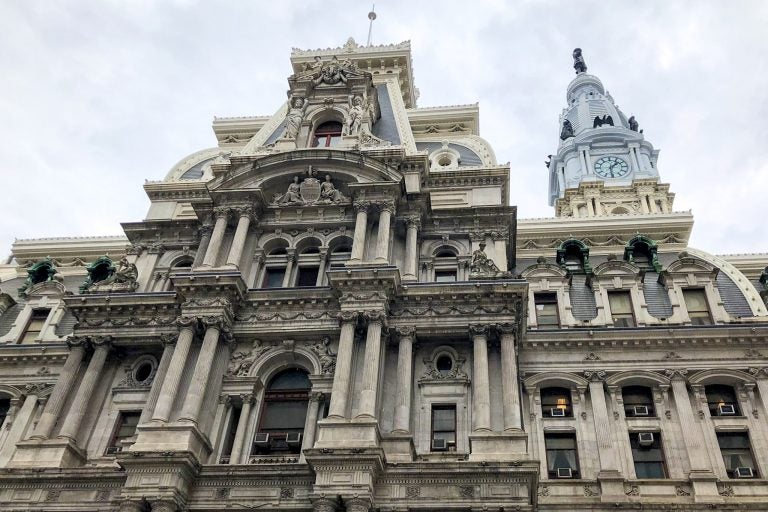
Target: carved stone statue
column 567, row 131
column 331, row 73
column 241, row 362
column 600, row 121
column 298, row 107
column 126, row 272
column 103, row 276
column 481, row 263
column 578, row 61
column 354, row 120
column 633, row 124
column 328, row 193
column 327, row 360
column 292, row 195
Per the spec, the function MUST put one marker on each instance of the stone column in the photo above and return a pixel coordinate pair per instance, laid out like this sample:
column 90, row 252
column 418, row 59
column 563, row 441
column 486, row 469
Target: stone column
column 287, row 278
column 341, row 377
column 170, row 384
column 605, row 447
column 258, row 261
column 387, row 208
column 157, row 383
column 402, row 422
column 205, row 239
column 242, row 426
column 370, row 380
column 194, row 399
column 325, row 504
column 61, row 389
column 413, row 224
column 214, row 246
column 761, row 377
column 310, row 425
column 84, row 395
column 361, row 228
column 692, row 435
column 238, row 242
column 510, row 388
column 481, row 392
column 357, row 504
column 321, row 268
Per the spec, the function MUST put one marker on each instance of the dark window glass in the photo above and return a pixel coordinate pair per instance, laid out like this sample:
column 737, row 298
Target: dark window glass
column 621, row 309
column 546, row 309
column 5, row 406
column 327, row 135
column 637, row 399
column 445, row 276
column 284, row 411
column 554, row 400
column 307, row 276
column 648, row 458
column 126, row 428
column 561, row 454
column 444, row 364
column 697, row 306
column 736, row 452
column 35, row 325
column 444, row 424
column 721, row 400
column 273, row 277
column 445, row 253
column 229, row 439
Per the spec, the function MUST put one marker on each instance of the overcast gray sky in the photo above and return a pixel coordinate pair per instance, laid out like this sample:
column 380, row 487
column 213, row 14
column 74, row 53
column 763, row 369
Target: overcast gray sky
column 97, row 96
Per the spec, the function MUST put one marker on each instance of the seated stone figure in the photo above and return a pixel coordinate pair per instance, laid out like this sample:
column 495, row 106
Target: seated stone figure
column 481, row 266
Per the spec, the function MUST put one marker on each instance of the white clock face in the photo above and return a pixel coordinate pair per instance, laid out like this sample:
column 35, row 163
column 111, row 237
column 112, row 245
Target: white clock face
column 611, row 167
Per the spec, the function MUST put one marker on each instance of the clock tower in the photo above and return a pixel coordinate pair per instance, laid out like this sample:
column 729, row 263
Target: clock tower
column 603, row 165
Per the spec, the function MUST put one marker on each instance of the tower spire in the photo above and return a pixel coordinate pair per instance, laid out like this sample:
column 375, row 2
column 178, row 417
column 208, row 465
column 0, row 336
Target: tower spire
column 371, row 16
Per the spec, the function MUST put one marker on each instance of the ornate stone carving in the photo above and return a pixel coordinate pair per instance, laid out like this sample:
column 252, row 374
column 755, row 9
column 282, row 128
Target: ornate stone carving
column 591, row 357
column 327, row 360
column 578, row 61
column 759, row 373
column 324, row 505
column 38, row 273
column 726, row 490
column 286, row 493
column 354, row 118
column 104, row 277
column 543, row 490
column 375, row 316
column 479, row 330
column 595, row 375
column 412, row 491
column 633, row 490
column 483, row 267
column 467, row 491
column 357, row 505
column 297, row 109
column 310, row 192
column 676, row 374
column 456, row 372
column 405, row 331
column 221, row 493
column 362, row 206
column 567, row 130
column 241, row 361
column 590, row 491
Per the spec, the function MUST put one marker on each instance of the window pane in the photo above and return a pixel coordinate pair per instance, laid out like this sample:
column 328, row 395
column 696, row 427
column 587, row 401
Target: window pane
column 695, row 300
column 273, row 278
column 307, row 276
column 546, row 308
column 620, row 302
column 290, row 379
column 444, row 419
column 444, row 276
column 284, row 416
column 560, row 442
column 649, row 470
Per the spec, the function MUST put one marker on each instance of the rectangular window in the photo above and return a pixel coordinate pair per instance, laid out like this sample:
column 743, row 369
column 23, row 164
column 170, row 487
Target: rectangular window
column 562, row 456
column 621, row 309
column 647, row 454
column 273, row 277
column 126, row 428
column 229, row 439
column 696, row 304
column 445, row 276
column 737, row 454
column 5, row 406
column 307, row 276
column 444, row 426
column 546, row 309
column 34, row 326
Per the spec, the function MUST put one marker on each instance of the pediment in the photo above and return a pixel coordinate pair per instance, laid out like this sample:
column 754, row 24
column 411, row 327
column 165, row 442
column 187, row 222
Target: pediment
column 612, row 268
column 540, row 270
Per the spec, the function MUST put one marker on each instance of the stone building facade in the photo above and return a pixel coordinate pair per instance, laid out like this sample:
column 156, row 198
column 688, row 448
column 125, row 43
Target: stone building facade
column 336, row 309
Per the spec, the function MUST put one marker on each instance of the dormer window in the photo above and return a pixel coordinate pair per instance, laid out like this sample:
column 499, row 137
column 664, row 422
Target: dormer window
column 327, row 135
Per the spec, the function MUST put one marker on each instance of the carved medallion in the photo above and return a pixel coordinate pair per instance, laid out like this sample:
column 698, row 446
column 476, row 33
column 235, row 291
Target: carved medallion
column 310, row 190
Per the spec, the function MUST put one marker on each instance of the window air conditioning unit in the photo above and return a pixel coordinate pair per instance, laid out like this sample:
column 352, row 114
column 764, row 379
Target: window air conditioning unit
column 726, row 410
column 640, row 410
column 293, row 439
column 557, row 412
column 564, row 473
column 645, row 438
column 111, row 450
column 744, row 473
column 439, row 445
column 261, row 440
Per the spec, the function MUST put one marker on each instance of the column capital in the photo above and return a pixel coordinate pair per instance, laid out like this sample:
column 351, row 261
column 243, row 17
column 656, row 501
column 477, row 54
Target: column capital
column 375, row 316
column 316, row 396
column 357, row 504
column 405, row 331
column 247, row 398
column 168, row 338
column 225, row 399
column 759, row 373
column 595, row 375
column 246, row 210
column 221, row 212
column 506, row 329
column 479, row 330
column 77, row 341
column 220, row 322
column 205, row 230
column 325, row 504
column 347, row 316
column 676, row 374
column 187, row 321
column 98, row 342
column 413, row 221
column 387, row 205
column 362, row 206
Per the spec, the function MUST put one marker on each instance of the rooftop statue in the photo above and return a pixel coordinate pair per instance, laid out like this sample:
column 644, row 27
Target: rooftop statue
column 483, row 267
column 567, row 131
column 578, row 62
column 633, row 124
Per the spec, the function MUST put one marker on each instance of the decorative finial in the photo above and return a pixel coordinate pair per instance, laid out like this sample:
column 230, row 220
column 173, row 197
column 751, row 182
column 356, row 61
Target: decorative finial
column 578, row 62
column 371, row 16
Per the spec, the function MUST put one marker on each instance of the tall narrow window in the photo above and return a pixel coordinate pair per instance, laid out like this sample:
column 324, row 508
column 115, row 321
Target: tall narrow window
column 125, row 429
column 737, row 455
column 229, row 438
column 285, row 410
column 556, row 403
column 647, row 454
column 621, row 309
column 546, row 309
column 443, row 427
column 307, row 276
column 721, row 400
column 638, row 401
column 273, row 277
column 5, row 406
column 696, row 304
column 562, row 456
column 34, row 325
column 327, row 135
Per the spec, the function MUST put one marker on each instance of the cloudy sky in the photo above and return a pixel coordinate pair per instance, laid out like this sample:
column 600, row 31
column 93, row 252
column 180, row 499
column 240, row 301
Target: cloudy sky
column 97, row 96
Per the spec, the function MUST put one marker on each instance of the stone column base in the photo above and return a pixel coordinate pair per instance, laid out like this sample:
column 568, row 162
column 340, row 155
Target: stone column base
column 611, row 486
column 509, row 445
column 52, row 453
column 398, row 447
column 704, row 487
column 172, row 437
column 358, row 433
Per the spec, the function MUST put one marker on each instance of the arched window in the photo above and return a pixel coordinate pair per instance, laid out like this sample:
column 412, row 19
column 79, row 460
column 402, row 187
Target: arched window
column 556, row 403
column 638, row 401
column 573, row 255
column 721, row 400
column 327, row 135
column 641, row 251
column 446, row 265
column 340, row 254
column 284, row 412
column 309, row 271
column 276, row 267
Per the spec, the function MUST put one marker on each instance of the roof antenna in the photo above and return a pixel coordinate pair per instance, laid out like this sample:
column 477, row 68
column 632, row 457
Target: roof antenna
column 371, row 16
